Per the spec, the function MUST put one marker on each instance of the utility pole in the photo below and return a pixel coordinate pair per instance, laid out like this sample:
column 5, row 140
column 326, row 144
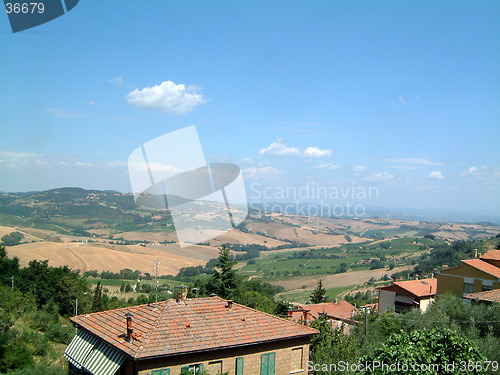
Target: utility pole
column 12, row 282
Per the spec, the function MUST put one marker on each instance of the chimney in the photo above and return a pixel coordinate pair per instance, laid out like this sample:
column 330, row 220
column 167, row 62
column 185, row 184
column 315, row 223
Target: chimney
column 475, row 253
column 430, row 288
column 229, row 304
column 130, row 330
column 306, row 317
column 179, row 298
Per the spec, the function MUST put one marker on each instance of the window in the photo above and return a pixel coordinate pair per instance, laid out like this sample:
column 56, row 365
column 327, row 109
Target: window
column 468, row 287
column 192, row 369
column 165, row 371
column 296, row 364
column 267, row 363
column 487, row 287
column 239, row 366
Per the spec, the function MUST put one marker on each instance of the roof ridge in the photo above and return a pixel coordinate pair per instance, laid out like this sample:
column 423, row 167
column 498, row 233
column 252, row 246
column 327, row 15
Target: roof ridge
column 158, row 320
column 272, row 316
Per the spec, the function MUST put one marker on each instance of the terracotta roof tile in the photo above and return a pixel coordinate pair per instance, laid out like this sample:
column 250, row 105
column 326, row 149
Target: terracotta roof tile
column 419, row 288
column 490, row 295
column 491, row 255
column 190, row 325
column 483, row 266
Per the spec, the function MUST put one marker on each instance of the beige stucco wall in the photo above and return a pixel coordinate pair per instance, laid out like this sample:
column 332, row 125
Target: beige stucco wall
column 251, row 354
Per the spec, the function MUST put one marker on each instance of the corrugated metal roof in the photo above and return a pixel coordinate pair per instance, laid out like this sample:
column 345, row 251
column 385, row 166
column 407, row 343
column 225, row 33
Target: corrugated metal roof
column 86, row 351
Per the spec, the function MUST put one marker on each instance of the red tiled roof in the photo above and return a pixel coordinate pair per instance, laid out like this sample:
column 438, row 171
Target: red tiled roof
column 491, row 255
column 490, row 295
column 339, row 310
column 483, row 266
column 190, row 325
column 419, row 288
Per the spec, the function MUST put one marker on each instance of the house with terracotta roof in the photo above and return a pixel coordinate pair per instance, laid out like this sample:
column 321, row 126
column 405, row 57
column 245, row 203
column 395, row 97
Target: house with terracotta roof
column 406, row 295
column 488, row 297
column 190, row 335
column 472, row 276
column 340, row 313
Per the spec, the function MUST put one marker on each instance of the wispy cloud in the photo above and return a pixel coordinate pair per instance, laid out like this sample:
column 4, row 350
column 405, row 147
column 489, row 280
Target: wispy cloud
column 300, row 123
column 327, row 166
column 436, row 175
column 280, row 149
column 63, row 113
column 359, row 169
column 277, row 149
column 167, row 97
column 380, row 177
column 414, row 161
column 402, row 101
column 260, row 172
column 315, row 152
column 117, row 81
column 408, row 167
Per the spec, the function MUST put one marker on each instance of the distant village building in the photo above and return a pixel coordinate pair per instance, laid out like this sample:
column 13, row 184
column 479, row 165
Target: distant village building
column 193, row 334
column 488, row 297
column 340, row 313
column 406, row 295
column 472, row 276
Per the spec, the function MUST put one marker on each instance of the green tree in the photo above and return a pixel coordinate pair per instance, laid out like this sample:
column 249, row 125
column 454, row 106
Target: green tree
column 438, row 348
column 224, row 281
column 12, row 239
column 331, row 345
column 97, row 302
column 319, row 294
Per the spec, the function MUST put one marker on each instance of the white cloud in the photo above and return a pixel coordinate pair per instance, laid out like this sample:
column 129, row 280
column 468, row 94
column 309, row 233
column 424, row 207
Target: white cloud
column 83, row 164
column 380, row 177
column 315, row 152
column 117, row 81
column 417, row 161
column 359, row 168
column 436, row 175
column 267, row 171
column 92, row 103
column 327, row 166
column 279, row 149
column 470, row 171
column 167, row 97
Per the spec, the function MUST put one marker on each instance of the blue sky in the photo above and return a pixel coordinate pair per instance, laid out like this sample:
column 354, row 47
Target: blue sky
column 401, row 96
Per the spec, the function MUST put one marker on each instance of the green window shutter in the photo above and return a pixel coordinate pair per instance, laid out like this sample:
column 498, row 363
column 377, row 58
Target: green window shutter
column 200, row 369
column 239, row 366
column 165, row 371
column 156, row 372
column 264, row 360
column 272, row 358
column 185, row 369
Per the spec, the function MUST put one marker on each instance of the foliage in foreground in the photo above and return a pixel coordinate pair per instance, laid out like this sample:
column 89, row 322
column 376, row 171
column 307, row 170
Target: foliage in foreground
column 433, row 351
